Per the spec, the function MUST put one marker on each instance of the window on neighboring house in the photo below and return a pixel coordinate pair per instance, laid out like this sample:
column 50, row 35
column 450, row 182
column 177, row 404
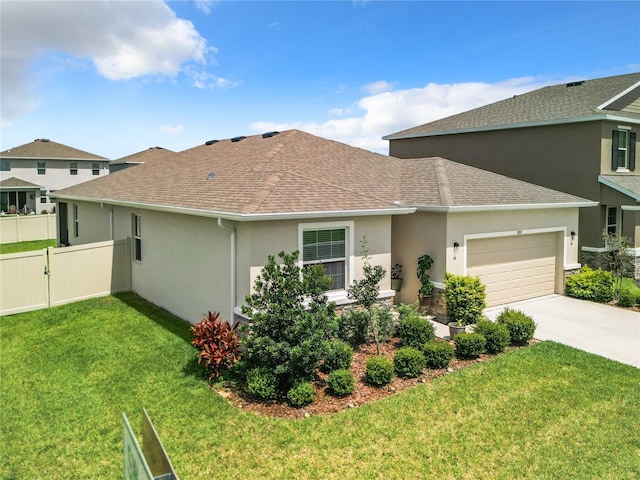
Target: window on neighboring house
column 76, row 224
column 43, row 197
column 623, row 150
column 42, row 168
column 73, row 168
column 137, row 237
column 612, row 220
column 5, row 166
column 327, row 247
column 95, row 168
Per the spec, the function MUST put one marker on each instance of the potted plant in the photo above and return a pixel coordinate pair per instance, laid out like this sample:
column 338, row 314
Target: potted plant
column 426, row 286
column 465, row 297
column 396, row 279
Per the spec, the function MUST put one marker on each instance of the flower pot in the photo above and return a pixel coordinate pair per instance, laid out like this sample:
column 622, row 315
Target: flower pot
column 455, row 329
column 396, row 284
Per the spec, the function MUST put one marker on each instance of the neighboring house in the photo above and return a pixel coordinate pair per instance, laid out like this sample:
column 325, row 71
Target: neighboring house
column 48, row 165
column 203, row 223
column 580, row 138
column 149, row 155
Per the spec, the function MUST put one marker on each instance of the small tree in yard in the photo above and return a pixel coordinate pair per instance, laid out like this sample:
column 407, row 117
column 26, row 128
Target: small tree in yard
column 618, row 261
column 366, row 290
column 291, row 320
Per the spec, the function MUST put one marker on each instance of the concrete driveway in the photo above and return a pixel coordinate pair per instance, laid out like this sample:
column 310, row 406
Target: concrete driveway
column 607, row 331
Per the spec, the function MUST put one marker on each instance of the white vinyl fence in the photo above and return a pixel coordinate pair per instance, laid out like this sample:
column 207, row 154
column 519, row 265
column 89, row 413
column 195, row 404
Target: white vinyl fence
column 45, row 278
column 24, row 228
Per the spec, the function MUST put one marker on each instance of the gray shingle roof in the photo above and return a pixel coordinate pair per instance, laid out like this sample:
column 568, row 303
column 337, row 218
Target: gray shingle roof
column 14, row 182
column 556, row 103
column 46, row 149
column 295, row 173
column 627, row 184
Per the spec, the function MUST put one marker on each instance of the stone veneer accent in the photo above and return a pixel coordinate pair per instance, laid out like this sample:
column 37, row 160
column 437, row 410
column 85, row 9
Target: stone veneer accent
column 597, row 260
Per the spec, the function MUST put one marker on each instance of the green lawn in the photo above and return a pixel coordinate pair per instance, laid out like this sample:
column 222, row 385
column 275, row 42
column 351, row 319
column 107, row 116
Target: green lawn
column 67, row 374
column 26, row 246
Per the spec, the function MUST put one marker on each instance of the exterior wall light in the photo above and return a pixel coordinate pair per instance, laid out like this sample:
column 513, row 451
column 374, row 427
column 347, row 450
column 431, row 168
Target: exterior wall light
column 456, row 245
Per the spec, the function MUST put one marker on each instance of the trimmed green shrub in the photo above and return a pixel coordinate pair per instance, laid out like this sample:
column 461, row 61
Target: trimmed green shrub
column 520, row 325
column 414, row 331
column 379, row 371
column 438, row 354
column 589, row 284
column 465, row 297
column 496, row 334
column 627, row 298
column 301, row 394
column 262, row 383
column 387, row 324
column 469, row 345
column 408, row 362
column 341, row 383
column 353, row 327
column 338, row 355
column 406, row 309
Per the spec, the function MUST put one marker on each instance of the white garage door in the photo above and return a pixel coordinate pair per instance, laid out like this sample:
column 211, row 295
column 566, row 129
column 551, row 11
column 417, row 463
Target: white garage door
column 514, row 268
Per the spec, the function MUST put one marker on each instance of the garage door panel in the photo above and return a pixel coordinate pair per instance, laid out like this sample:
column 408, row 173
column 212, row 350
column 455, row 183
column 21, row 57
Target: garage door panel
column 514, row 268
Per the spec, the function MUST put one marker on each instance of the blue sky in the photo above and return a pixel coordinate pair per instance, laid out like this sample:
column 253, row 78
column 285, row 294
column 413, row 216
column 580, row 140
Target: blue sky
column 115, row 78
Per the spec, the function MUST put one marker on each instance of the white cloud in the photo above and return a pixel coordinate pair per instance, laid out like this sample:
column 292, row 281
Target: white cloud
column 123, row 40
column 378, row 87
column 172, row 129
column 205, row 6
column 392, row 111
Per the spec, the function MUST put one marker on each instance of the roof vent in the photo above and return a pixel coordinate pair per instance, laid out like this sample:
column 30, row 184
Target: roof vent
column 237, row 139
column 211, row 142
column 210, row 175
column 155, row 148
column 269, row 134
column 41, row 140
column 575, row 84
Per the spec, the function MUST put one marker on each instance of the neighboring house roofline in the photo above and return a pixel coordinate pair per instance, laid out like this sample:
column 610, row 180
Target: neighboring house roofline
column 497, row 208
column 588, row 118
column 245, row 217
column 65, row 159
column 620, row 95
column 605, row 181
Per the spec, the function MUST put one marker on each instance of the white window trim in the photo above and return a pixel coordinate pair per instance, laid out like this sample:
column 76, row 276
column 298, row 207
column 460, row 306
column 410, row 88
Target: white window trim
column 76, row 223
column 137, row 235
column 334, row 295
column 624, row 168
column 607, row 224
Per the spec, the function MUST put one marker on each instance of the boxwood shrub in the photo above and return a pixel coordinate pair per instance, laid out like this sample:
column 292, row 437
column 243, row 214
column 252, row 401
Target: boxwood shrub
column 301, row 394
column 414, row 331
column 379, row 371
column 408, row 362
column 496, row 335
column 261, row 383
column 469, row 345
column 341, row 383
column 589, row 284
column 627, row 298
column 338, row 355
column 465, row 298
column 438, row 354
column 520, row 325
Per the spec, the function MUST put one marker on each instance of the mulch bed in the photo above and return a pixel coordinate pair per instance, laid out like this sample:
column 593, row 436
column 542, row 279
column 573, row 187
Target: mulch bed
column 364, row 393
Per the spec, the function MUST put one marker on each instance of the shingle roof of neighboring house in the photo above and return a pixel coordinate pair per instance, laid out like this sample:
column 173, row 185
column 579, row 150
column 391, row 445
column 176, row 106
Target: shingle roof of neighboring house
column 601, row 98
column 46, row 149
column 144, row 156
column 296, row 173
column 14, row 182
column 627, row 184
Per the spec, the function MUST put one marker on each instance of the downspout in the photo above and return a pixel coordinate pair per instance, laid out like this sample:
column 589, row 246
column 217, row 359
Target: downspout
column 233, row 267
column 111, row 227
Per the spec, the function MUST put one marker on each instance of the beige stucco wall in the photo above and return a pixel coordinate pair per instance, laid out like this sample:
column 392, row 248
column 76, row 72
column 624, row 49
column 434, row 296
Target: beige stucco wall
column 435, row 234
column 93, row 223
column 606, row 133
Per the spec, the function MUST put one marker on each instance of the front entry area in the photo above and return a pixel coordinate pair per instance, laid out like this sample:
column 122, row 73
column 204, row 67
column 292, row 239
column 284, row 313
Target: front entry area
column 514, row 268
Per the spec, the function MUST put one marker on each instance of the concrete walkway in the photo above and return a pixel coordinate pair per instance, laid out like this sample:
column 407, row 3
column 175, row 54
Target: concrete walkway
column 607, row 331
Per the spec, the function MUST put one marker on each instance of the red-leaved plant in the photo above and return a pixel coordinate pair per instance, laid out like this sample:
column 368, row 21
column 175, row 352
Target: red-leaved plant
column 218, row 343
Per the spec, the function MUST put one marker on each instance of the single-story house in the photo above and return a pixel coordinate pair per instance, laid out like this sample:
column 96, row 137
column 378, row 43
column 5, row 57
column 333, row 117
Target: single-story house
column 203, row 222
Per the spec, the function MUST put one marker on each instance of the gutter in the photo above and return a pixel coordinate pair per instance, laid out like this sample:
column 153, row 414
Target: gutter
column 497, row 208
column 234, row 264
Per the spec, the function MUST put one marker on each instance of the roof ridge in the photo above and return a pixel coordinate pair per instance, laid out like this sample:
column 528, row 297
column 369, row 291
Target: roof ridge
column 263, row 193
column 444, row 187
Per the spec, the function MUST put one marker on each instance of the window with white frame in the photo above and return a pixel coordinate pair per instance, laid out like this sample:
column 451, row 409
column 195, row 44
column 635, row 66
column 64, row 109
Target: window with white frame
column 42, row 168
column 73, row 168
column 137, row 237
column 623, row 151
column 95, row 168
column 76, row 224
column 612, row 220
column 5, row 166
column 328, row 247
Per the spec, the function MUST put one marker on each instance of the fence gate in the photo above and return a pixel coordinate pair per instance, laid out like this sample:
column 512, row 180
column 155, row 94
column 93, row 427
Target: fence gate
column 24, row 285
